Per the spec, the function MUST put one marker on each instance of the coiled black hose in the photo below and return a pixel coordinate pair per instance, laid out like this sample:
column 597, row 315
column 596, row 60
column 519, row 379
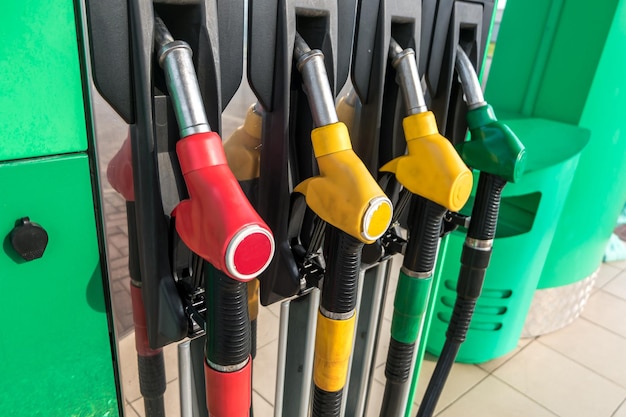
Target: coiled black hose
column 326, row 404
column 420, row 257
column 343, row 260
column 424, row 232
column 228, row 325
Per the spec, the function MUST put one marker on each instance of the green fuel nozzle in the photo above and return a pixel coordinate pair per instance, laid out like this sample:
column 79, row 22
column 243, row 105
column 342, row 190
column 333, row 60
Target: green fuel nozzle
column 493, row 147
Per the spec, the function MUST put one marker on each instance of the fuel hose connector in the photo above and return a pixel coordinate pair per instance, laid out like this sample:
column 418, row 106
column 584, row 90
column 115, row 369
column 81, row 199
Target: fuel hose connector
column 498, row 154
column 347, row 197
column 438, row 180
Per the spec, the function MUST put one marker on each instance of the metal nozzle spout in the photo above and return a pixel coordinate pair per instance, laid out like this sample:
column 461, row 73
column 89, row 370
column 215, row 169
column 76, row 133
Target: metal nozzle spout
column 403, row 60
column 310, row 63
column 180, row 76
column 469, row 80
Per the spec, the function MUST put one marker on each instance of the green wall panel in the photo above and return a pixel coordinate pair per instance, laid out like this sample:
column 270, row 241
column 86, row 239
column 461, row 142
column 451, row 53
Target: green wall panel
column 41, row 102
column 56, row 357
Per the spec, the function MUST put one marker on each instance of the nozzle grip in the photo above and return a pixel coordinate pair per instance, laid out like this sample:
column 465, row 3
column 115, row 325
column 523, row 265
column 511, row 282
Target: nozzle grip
column 344, row 194
column 431, row 168
column 493, row 147
column 217, row 221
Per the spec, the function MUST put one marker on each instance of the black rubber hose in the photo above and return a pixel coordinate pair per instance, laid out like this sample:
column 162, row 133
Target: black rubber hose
column 151, row 368
column 474, row 263
column 326, row 404
column 420, row 256
column 424, row 232
column 398, row 364
column 438, row 379
column 152, row 383
column 343, row 261
column 227, row 325
column 253, row 332
column 393, row 403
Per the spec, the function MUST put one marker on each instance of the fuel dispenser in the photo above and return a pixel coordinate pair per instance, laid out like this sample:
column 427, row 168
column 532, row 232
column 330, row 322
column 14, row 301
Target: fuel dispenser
column 439, row 181
column 200, row 240
column 299, row 123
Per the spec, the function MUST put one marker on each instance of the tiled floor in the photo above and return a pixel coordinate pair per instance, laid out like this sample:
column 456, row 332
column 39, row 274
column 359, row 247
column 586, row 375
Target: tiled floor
column 579, row 371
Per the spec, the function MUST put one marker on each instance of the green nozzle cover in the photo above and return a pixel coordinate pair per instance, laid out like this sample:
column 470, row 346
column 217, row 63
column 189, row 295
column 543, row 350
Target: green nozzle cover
column 493, row 147
column 409, row 306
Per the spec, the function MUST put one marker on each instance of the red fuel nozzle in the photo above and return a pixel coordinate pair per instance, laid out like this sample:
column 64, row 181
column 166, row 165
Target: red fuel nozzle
column 217, row 222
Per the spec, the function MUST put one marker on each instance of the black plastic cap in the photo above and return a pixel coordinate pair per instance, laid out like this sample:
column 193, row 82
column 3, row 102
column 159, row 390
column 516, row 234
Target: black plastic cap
column 29, row 239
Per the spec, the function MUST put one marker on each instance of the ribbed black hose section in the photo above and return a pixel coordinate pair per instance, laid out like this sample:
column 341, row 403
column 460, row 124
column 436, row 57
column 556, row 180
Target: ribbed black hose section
column 424, row 232
column 326, row 404
column 151, row 375
column 438, row 379
column 399, row 359
column 460, row 320
column 133, row 245
column 486, row 207
column 253, row 339
column 343, row 260
column 227, row 320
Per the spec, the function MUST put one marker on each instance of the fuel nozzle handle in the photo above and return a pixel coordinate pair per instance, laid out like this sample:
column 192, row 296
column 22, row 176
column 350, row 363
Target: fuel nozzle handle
column 344, row 194
column 217, row 221
column 493, row 147
column 431, row 167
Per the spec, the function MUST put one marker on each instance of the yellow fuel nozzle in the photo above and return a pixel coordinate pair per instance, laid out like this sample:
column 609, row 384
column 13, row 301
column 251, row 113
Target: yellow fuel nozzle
column 431, row 167
column 344, row 194
column 243, row 147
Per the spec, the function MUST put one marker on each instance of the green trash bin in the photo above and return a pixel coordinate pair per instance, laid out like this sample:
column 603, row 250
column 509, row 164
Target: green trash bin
column 539, row 71
column 526, row 225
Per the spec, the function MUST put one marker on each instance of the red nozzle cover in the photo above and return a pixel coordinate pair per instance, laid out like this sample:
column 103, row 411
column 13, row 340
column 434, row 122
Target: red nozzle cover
column 120, row 171
column 217, row 221
column 228, row 393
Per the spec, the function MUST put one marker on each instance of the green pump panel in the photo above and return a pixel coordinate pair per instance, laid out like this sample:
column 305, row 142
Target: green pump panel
column 55, row 327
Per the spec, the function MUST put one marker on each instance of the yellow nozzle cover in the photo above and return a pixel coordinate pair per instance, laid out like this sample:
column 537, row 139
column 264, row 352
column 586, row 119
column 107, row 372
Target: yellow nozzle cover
column 345, row 194
column 431, row 168
column 243, row 147
column 333, row 344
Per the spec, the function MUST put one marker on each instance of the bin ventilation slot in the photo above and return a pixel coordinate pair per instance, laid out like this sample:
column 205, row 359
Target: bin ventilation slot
column 493, row 293
column 496, row 293
column 481, row 309
column 477, row 325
